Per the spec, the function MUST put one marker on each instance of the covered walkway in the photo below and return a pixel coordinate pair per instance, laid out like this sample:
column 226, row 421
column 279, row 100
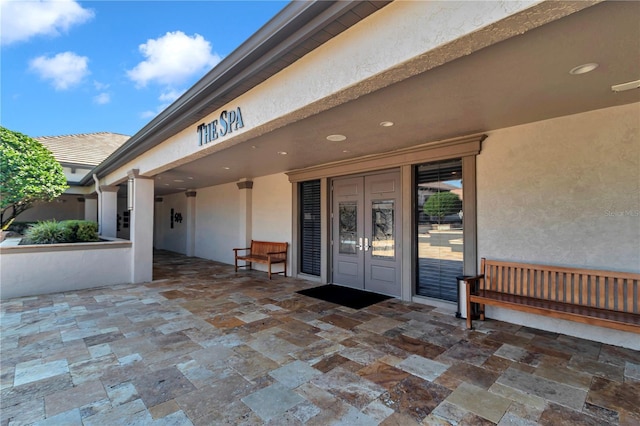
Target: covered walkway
column 203, row 345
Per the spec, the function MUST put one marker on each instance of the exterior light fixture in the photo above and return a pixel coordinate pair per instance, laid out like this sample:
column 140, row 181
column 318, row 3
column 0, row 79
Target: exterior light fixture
column 282, row 152
column 130, row 194
column 336, row 138
column 583, row 69
column 386, row 123
column 132, row 175
column 626, row 86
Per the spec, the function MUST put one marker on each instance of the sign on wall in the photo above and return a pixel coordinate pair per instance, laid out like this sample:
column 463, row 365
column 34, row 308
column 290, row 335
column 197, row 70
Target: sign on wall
column 220, row 127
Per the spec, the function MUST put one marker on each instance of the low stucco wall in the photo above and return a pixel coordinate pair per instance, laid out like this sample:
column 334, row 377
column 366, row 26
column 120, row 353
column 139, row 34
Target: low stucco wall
column 41, row 269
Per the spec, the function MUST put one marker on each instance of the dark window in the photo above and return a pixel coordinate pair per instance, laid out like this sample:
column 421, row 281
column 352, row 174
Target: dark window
column 440, row 228
column 310, row 227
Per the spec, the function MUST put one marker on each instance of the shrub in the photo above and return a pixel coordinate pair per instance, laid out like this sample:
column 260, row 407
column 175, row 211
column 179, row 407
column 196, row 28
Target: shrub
column 68, row 231
column 441, row 204
column 47, row 232
column 82, row 231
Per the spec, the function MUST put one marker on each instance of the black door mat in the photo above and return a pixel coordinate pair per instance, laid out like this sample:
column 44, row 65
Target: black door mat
column 345, row 296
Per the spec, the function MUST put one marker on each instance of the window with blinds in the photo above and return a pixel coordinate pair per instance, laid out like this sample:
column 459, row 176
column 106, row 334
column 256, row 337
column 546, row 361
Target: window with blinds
column 440, row 240
column 310, row 227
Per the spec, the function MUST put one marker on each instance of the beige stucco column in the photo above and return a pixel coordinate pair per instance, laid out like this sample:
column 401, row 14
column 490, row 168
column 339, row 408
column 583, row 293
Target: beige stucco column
column 141, row 227
column 245, row 211
column 108, row 211
column 191, row 223
column 91, row 207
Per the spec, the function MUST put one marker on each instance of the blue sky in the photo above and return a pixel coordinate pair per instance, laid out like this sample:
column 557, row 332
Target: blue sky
column 70, row 67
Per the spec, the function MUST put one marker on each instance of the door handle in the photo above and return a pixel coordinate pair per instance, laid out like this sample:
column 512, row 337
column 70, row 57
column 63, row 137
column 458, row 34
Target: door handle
column 366, row 244
column 360, row 243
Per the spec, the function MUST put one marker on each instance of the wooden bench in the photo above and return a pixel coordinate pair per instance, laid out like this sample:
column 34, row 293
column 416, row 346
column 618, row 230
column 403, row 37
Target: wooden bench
column 595, row 297
column 266, row 252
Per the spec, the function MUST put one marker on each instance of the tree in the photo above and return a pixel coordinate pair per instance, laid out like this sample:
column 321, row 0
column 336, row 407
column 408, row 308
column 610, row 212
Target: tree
column 28, row 173
column 441, row 204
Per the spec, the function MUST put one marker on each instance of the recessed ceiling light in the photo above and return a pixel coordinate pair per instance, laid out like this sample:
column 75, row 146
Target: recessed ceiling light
column 584, row 68
column 282, row 152
column 386, row 123
column 178, row 180
column 336, row 138
column 345, row 150
column 227, row 168
column 190, row 178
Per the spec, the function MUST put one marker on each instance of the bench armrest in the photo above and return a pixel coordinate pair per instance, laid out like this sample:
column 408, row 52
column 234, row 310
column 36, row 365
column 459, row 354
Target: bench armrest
column 238, row 249
column 472, row 283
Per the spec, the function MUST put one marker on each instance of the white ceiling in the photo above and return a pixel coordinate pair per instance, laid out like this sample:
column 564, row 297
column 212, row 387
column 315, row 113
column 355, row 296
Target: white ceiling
column 521, row 80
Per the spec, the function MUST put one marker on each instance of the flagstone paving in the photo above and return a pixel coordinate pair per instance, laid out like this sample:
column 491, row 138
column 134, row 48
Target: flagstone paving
column 203, row 345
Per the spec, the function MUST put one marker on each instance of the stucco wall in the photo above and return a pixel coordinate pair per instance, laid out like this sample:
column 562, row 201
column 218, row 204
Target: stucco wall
column 271, row 219
column 220, row 217
column 217, row 222
column 564, row 192
column 167, row 238
column 63, row 267
column 65, row 207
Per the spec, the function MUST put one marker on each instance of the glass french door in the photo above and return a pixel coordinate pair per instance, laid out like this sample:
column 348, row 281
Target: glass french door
column 366, row 232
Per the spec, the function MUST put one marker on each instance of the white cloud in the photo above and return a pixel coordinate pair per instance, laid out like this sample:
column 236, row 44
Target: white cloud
column 172, row 59
column 63, row 70
column 21, row 20
column 170, row 95
column 100, row 86
column 102, row 98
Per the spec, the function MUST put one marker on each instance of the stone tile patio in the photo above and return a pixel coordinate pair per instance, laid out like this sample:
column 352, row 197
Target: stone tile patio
column 203, row 345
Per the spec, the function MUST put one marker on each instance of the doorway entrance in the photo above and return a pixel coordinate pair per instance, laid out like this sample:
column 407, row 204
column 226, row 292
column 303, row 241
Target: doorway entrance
column 366, row 232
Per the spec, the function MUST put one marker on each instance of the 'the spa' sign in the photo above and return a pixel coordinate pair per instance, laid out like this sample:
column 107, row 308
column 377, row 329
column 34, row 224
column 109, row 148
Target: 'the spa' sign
column 225, row 124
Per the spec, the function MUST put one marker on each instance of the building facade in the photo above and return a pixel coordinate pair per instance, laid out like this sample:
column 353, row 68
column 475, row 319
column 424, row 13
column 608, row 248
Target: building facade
column 395, row 144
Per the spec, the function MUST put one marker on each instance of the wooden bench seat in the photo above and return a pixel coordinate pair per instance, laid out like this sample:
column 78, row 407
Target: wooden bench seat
column 266, row 252
column 595, row 297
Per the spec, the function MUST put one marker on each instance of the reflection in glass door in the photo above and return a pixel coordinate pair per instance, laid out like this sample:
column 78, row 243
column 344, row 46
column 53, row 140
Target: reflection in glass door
column 440, row 229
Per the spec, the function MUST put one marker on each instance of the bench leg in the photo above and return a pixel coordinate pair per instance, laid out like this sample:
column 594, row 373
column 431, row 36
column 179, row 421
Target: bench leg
column 269, row 270
column 236, row 264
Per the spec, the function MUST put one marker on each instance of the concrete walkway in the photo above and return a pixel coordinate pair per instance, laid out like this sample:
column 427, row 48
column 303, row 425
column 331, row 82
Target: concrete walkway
column 203, row 345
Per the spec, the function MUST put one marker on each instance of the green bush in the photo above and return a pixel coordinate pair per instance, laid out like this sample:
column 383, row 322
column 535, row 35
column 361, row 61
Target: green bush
column 68, row 231
column 47, row 232
column 441, row 204
column 82, row 231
